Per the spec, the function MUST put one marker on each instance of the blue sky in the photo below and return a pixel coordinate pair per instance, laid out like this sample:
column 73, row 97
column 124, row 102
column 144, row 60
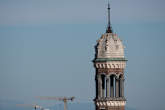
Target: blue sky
column 47, row 48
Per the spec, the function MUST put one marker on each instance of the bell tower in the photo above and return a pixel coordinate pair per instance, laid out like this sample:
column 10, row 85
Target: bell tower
column 109, row 63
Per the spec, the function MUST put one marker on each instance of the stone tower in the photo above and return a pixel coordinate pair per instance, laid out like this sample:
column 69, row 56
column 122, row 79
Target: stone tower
column 109, row 63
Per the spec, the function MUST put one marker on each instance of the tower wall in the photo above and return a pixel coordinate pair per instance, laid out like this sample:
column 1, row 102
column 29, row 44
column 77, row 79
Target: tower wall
column 109, row 80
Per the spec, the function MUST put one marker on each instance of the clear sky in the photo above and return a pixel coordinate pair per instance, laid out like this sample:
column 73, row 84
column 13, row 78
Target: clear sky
column 46, row 49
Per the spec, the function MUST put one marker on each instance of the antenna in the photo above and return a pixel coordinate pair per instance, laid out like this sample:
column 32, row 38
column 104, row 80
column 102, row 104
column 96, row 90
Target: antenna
column 109, row 29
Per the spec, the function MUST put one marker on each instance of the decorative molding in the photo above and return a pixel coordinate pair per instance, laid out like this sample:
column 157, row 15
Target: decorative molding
column 110, row 103
column 113, row 64
column 109, row 59
column 109, row 71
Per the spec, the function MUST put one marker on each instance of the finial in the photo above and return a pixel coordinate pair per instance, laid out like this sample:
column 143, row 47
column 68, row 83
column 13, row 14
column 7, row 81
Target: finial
column 109, row 29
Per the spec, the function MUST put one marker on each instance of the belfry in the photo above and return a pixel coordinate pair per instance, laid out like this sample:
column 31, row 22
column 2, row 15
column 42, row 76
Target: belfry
column 109, row 63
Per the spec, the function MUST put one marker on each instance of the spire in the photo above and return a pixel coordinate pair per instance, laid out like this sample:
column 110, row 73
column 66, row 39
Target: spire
column 109, row 28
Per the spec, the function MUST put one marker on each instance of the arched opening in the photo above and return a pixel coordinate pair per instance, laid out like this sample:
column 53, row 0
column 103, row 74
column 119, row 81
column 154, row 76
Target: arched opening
column 121, row 85
column 111, row 85
column 100, row 85
column 96, row 89
column 103, row 84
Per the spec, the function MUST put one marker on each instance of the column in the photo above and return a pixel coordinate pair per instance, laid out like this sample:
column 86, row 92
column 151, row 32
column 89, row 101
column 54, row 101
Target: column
column 99, row 86
column 112, row 86
column 120, row 94
column 117, row 87
column 108, row 86
column 122, row 87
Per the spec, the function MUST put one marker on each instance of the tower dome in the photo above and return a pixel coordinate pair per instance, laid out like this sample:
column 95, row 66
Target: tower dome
column 109, row 46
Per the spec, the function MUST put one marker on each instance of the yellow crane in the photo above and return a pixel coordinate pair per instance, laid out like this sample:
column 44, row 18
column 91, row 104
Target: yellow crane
column 64, row 99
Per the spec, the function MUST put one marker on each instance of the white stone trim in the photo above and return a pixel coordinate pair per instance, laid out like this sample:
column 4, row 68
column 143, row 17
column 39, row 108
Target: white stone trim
column 112, row 64
column 111, row 103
